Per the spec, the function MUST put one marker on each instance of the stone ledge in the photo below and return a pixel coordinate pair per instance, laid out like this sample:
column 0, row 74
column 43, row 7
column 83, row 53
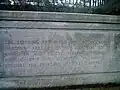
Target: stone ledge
column 58, row 16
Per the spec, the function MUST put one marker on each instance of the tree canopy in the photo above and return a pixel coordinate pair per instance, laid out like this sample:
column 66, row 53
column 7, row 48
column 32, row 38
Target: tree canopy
column 86, row 6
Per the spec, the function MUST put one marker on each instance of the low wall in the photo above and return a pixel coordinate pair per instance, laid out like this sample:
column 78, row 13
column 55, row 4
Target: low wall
column 44, row 49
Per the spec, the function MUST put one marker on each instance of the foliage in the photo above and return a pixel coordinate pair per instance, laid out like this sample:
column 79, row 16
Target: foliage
column 85, row 6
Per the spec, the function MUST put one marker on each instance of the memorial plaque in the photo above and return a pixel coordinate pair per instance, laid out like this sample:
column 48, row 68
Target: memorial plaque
column 46, row 52
column 48, row 49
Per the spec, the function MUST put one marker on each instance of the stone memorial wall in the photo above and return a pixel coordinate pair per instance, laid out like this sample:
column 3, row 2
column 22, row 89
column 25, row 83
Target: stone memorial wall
column 58, row 49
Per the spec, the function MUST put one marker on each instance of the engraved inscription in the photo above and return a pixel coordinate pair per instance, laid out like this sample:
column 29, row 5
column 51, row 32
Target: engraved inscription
column 45, row 52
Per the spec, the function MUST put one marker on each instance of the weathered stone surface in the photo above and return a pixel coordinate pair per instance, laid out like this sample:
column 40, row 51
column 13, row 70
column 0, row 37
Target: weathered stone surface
column 58, row 25
column 53, row 16
column 54, row 54
column 45, row 54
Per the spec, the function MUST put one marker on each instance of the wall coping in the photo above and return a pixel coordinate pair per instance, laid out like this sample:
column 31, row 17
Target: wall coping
column 58, row 17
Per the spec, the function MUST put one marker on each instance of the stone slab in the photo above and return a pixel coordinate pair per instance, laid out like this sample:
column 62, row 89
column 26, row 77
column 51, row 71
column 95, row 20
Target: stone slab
column 58, row 57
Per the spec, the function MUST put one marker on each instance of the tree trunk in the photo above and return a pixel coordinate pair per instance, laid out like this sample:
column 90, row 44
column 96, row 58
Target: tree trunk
column 93, row 3
column 89, row 3
column 84, row 3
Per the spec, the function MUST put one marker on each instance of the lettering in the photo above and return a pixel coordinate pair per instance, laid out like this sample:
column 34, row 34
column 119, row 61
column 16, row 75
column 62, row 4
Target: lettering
column 49, row 52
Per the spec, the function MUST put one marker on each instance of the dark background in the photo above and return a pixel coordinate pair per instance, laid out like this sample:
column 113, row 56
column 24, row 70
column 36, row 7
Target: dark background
column 111, row 7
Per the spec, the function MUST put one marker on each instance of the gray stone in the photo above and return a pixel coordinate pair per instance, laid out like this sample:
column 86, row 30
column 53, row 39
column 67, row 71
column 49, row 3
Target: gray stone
column 46, row 54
